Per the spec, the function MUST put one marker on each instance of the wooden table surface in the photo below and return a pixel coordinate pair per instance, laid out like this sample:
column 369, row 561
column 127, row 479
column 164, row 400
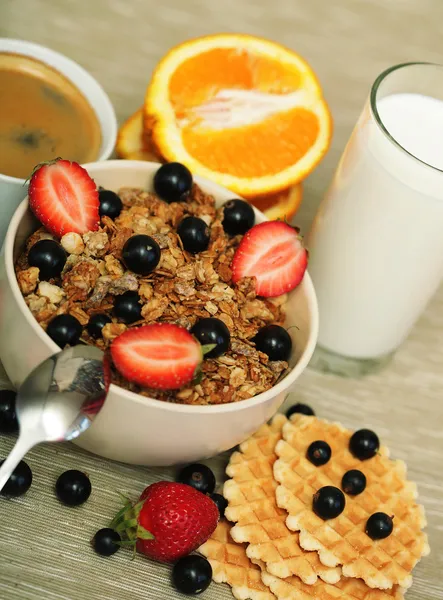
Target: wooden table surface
column 44, row 552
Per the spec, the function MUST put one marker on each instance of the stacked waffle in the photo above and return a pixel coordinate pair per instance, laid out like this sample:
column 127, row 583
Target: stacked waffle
column 273, row 544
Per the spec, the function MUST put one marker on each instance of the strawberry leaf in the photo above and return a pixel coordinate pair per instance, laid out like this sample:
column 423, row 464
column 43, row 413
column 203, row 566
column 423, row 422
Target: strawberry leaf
column 197, row 377
column 125, row 499
column 137, row 508
column 144, row 534
column 129, row 543
column 120, row 516
column 126, row 524
column 206, row 348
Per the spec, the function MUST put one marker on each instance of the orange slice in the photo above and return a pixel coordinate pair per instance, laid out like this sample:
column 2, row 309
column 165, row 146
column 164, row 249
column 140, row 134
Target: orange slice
column 282, row 205
column 132, row 142
column 239, row 110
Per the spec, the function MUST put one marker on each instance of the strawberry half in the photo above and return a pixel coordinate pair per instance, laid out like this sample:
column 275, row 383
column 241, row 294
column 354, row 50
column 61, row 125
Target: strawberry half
column 162, row 356
column 273, row 253
column 64, row 198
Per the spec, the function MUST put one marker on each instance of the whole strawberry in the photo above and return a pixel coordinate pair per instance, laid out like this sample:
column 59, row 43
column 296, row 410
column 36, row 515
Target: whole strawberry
column 169, row 521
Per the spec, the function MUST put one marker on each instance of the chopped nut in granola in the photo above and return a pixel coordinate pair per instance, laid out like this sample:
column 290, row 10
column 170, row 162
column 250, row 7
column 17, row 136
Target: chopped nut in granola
column 154, row 309
column 100, row 291
column 113, row 266
column 183, row 288
column 71, row 261
column 126, row 283
column 211, row 307
column 80, row 280
column 79, row 314
column 27, row 280
column 146, row 291
column 96, row 243
column 54, row 293
column 186, row 272
column 168, row 264
column 256, row 309
column 73, row 244
column 112, row 330
column 42, row 309
column 237, row 377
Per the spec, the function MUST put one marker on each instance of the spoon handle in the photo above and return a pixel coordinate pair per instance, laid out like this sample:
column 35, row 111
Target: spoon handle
column 22, row 446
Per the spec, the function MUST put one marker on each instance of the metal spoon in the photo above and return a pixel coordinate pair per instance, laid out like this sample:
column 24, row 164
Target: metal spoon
column 58, row 401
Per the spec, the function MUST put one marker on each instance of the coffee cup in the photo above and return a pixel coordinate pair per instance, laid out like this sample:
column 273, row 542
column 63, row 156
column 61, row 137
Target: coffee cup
column 13, row 187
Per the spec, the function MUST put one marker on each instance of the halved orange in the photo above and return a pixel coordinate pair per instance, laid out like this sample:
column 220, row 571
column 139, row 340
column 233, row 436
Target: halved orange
column 132, row 141
column 239, row 110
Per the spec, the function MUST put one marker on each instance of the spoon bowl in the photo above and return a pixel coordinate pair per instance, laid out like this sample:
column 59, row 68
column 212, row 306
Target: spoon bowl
column 59, row 400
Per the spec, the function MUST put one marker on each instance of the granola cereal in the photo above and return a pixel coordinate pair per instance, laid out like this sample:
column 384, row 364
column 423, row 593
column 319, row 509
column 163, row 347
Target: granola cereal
column 182, row 289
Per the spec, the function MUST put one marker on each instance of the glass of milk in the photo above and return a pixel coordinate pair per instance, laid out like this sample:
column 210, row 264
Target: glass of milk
column 376, row 245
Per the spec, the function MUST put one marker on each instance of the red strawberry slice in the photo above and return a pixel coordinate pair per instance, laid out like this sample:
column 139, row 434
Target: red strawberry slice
column 64, row 198
column 162, row 356
column 273, row 253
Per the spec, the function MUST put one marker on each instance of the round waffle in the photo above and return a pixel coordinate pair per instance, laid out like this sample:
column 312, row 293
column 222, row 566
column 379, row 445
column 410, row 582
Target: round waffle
column 343, row 541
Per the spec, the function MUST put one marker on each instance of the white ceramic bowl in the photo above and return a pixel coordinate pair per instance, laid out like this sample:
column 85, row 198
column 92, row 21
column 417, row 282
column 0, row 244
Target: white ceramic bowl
column 132, row 428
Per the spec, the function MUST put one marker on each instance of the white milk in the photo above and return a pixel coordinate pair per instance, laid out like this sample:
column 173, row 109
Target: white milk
column 377, row 241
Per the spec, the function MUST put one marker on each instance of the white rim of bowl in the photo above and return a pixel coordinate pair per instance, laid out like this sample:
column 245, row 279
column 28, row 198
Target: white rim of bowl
column 283, row 385
column 19, row 46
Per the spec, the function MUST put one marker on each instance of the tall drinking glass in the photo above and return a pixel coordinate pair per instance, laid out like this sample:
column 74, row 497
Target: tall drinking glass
column 376, row 245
